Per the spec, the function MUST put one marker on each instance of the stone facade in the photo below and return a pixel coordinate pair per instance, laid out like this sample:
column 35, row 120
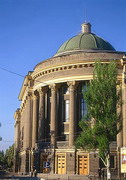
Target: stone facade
column 46, row 124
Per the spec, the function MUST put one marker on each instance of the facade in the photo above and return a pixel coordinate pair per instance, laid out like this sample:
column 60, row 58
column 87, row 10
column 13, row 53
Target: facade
column 52, row 104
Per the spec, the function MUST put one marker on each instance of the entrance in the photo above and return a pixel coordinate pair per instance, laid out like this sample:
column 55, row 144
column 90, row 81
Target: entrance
column 61, row 162
column 45, row 168
column 83, row 164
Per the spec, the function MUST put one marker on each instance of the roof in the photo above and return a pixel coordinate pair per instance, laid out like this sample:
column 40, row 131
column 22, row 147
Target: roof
column 85, row 41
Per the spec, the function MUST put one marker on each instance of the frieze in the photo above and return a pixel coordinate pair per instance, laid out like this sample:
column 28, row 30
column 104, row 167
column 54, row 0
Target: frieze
column 66, row 67
column 84, row 71
column 65, row 59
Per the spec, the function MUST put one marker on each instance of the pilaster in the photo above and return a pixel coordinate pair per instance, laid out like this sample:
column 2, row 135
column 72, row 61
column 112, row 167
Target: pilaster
column 35, row 119
column 124, row 104
column 41, row 114
column 28, row 122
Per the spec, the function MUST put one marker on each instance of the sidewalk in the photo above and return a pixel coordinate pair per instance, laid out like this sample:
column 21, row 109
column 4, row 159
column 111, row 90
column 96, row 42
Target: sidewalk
column 65, row 177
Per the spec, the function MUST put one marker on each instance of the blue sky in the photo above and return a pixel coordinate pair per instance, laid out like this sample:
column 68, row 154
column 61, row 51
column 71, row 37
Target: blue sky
column 32, row 31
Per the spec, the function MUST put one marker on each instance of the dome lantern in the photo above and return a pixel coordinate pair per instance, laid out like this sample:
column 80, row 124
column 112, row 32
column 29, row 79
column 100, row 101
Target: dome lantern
column 85, row 41
column 86, row 28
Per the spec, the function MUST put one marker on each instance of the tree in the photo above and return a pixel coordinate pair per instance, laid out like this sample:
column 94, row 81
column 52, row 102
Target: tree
column 103, row 122
column 9, row 156
column 2, row 159
column 0, row 136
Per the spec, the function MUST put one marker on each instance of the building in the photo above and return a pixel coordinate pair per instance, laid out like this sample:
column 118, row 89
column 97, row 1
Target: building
column 52, row 104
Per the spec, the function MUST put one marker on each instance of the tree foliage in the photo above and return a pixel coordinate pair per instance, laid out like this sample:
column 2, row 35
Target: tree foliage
column 0, row 136
column 2, row 158
column 103, row 121
column 7, row 157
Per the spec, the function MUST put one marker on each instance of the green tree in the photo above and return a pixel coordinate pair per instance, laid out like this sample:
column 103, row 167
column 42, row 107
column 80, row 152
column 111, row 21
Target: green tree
column 102, row 122
column 0, row 136
column 9, row 156
column 2, row 159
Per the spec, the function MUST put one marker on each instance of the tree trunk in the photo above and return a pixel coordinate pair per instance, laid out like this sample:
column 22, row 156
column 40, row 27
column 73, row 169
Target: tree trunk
column 108, row 167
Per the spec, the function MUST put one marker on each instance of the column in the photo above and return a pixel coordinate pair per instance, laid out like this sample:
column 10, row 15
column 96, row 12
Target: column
column 124, row 105
column 53, row 114
column 41, row 115
column 18, row 135
column 120, row 139
column 17, row 140
column 119, row 111
column 17, row 128
column 35, row 119
column 28, row 122
column 72, row 113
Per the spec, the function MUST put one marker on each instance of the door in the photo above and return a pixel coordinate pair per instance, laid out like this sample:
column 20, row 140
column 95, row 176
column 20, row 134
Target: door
column 61, row 161
column 83, row 164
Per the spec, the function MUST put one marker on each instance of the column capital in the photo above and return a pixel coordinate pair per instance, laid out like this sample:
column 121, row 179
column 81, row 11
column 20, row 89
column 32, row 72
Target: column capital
column 29, row 95
column 72, row 85
column 42, row 90
column 35, row 95
column 53, row 87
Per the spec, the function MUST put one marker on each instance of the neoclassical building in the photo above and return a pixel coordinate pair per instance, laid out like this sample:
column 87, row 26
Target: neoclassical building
column 52, row 104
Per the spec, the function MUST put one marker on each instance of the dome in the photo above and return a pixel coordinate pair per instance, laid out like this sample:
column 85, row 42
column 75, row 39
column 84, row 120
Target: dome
column 86, row 41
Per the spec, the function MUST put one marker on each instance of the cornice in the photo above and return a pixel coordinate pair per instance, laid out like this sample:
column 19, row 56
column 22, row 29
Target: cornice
column 28, row 83
column 76, row 57
column 60, row 68
column 42, row 73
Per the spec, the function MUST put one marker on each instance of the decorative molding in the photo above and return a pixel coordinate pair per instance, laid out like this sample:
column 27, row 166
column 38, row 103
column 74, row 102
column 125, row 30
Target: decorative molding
column 72, row 85
column 35, row 95
column 65, row 67
column 42, row 90
column 53, row 87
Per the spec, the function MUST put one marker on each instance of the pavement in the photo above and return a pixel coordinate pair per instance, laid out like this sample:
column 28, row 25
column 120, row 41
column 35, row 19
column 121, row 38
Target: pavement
column 40, row 176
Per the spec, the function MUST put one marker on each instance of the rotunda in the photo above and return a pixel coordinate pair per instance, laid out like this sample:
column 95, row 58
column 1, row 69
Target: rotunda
column 52, row 104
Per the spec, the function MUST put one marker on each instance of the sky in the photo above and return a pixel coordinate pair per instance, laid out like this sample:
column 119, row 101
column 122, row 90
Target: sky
column 32, row 31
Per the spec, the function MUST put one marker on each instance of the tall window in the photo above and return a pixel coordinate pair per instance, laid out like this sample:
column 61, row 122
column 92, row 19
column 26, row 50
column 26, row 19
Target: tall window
column 83, row 107
column 67, row 106
column 22, row 136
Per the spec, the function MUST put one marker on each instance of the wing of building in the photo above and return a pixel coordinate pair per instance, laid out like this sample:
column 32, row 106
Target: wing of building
column 52, row 104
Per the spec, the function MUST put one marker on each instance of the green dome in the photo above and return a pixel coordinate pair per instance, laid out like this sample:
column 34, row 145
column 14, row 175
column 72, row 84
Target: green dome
column 85, row 41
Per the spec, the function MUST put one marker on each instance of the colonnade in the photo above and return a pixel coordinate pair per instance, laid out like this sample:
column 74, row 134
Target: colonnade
column 34, row 122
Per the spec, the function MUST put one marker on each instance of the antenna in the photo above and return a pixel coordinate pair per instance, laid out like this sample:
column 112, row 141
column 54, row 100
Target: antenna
column 85, row 14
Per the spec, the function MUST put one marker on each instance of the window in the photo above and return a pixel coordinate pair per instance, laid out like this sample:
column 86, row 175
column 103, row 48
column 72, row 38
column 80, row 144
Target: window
column 67, row 105
column 83, row 107
column 22, row 133
column 65, row 90
column 112, row 161
column 22, row 137
column 65, row 137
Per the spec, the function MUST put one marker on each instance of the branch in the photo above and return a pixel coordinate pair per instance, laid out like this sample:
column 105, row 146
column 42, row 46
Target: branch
column 103, row 161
